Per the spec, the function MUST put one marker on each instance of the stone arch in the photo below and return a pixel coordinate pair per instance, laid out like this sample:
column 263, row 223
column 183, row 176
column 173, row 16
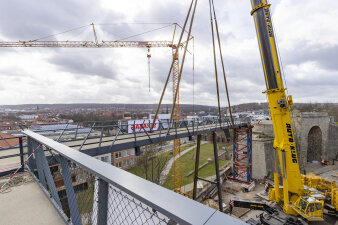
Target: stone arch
column 315, row 144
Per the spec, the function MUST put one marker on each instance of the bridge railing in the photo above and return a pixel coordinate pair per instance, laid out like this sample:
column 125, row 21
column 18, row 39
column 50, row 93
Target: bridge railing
column 11, row 154
column 95, row 129
column 101, row 137
column 85, row 190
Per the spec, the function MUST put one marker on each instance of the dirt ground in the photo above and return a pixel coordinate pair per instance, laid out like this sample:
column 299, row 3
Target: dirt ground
column 233, row 190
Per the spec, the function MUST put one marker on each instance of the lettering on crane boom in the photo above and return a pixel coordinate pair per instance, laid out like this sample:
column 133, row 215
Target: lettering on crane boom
column 292, row 143
column 268, row 21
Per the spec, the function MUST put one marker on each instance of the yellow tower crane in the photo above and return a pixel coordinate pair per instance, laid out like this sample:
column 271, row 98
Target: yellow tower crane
column 128, row 44
column 177, row 178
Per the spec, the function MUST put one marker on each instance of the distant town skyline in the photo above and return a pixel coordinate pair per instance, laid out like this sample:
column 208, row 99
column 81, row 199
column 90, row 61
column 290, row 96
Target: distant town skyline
column 307, row 35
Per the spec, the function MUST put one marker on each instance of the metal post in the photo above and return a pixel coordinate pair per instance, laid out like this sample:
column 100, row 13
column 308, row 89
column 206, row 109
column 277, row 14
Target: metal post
column 31, row 161
column 74, row 210
column 134, row 134
column 102, row 202
column 39, row 165
column 59, row 138
column 234, row 154
column 220, row 202
column 84, row 141
column 21, row 155
column 248, row 154
column 152, row 169
column 197, row 160
column 101, row 137
column 111, row 146
column 77, row 127
column 48, row 175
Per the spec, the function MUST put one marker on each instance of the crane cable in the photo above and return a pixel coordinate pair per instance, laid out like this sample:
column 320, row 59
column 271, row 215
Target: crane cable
column 221, row 56
column 172, row 63
column 88, row 25
column 183, row 59
column 193, row 77
column 280, row 59
column 215, row 64
column 149, row 56
column 52, row 35
column 145, row 32
column 278, row 51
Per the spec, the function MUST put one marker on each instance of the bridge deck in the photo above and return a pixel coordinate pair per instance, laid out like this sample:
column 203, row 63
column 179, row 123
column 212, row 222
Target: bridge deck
column 98, row 146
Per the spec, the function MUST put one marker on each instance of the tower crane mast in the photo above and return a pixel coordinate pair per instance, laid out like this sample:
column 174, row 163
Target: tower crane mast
column 177, row 177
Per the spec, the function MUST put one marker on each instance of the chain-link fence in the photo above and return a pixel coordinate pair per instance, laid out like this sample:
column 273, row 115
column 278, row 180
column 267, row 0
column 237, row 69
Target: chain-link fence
column 124, row 209
column 120, row 208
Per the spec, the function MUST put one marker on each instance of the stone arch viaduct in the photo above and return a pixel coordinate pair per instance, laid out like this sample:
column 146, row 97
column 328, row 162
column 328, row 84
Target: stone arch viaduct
column 316, row 137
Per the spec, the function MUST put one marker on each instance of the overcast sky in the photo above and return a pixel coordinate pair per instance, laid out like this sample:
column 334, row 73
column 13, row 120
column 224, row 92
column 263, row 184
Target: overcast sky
column 307, row 32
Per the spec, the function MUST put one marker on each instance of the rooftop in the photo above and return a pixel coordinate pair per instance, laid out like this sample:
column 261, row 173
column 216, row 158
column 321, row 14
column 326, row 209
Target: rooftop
column 7, row 140
column 19, row 207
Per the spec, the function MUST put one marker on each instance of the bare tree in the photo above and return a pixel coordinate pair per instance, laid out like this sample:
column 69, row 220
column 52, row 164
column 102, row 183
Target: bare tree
column 160, row 162
column 152, row 162
column 143, row 161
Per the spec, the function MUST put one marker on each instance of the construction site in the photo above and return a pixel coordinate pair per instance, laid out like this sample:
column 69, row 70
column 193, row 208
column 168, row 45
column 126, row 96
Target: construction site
column 174, row 166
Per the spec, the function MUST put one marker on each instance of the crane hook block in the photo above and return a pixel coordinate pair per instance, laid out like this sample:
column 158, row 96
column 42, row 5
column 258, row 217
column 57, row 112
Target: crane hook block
column 148, row 55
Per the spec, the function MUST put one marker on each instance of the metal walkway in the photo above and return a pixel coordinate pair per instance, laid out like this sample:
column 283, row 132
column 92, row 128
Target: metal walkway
column 115, row 137
column 122, row 140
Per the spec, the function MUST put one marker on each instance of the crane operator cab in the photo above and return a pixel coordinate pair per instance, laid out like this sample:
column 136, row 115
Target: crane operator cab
column 309, row 208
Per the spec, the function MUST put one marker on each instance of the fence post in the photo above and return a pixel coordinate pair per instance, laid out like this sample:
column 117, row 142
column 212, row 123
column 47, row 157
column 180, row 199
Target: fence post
column 102, row 202
column 218, row 180
column 197, row 160
column 39, row 165
column 234, row 149
column 31, row 162
column 249, row 154
column 74, row 210
column 48, row 175
column 21, row 155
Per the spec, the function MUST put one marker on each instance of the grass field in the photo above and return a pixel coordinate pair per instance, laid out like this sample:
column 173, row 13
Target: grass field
column 137, row 170
column 187, row 165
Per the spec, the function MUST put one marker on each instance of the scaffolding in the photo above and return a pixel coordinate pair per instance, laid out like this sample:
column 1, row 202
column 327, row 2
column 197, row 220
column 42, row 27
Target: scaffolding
column 242, row 155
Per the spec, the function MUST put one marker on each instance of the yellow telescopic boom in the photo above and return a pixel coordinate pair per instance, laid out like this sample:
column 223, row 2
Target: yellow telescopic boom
column 279, row 103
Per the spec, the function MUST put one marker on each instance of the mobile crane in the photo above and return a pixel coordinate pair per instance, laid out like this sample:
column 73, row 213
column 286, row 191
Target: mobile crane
column 292, row 196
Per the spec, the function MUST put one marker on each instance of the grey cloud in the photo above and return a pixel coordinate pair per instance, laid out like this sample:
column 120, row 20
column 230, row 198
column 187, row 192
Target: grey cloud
column 326, row 57
column 20, row 19
column 83, row 64
column 26, row 20
column 314, row 80
column 12, row 71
